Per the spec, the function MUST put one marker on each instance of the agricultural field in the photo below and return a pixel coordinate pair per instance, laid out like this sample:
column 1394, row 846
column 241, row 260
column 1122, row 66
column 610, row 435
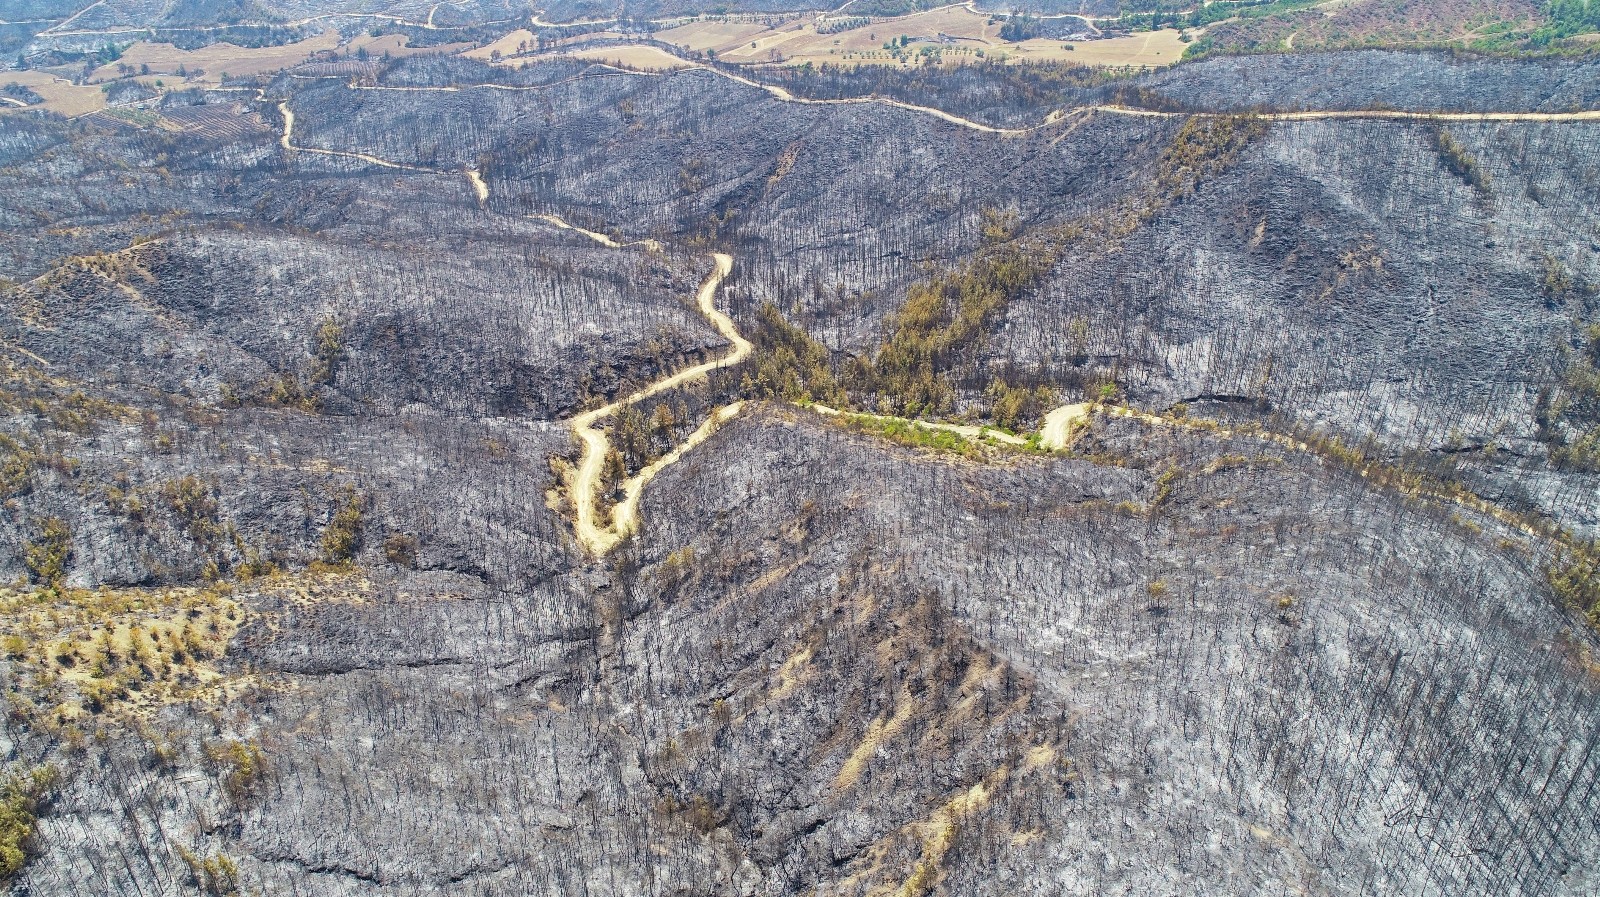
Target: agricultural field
column 59, row 94
column 641, row 58
column 948, row 34
column 209, row 64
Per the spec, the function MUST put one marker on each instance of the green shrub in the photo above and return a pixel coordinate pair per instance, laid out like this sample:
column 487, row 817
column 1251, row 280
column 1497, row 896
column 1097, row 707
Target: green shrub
column 191, row 501
column 325, row 358
column 789, row 364
column 1012, row 406
column 941, row 327
column 241, row 763
column 1555, row 281
column 1203, row 148
column 401, row 549
column 342, row 537
column 1575, row 578
column 1458, row 160
column 21, row 793
column 46, row 558
column 216, row 875
column 906, row 432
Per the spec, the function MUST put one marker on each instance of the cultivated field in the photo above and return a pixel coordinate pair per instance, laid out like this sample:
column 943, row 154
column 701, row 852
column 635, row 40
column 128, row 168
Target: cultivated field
column 1151, row 48
column 953, row 33
column 211, row 62
column 508, row 45
column 60, row 95
column 208, row 64
column 643, row 58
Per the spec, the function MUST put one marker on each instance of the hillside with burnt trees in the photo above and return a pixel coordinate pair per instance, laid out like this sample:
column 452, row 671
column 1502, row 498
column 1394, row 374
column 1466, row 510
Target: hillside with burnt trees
column 424, row 476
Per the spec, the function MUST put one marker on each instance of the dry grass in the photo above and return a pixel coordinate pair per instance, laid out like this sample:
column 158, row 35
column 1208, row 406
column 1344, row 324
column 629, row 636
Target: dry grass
column 932, row 839
column 939, row 832
column 397, row 45
column 108, row 654
column 795, row 670
column 879, row 731
column 1152, row 48
column 164, row 60
column 713, row 35
column 115, row 651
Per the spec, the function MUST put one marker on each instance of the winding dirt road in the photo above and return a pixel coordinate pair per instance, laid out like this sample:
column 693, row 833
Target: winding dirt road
column 602, row 239
column 594, row 534
column 1053, row 117
column 1380, row 114
column 787, row 97
column 288, row 145
column 480, row 188
column 599, row 536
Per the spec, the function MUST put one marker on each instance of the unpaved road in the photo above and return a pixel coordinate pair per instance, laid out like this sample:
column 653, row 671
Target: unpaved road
column 599, row 537
column 1586, row 115
column 479, row 186
column 288, row 145
column 788, row 97
column 602, row 239
column 595, row 535
column 1060, row 425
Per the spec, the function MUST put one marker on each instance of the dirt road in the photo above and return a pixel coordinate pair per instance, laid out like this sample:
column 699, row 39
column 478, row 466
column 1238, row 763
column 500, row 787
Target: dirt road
column 600, row 536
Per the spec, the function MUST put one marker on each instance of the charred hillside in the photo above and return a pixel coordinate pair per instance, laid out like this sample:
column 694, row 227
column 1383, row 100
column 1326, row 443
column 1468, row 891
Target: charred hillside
column 1121, row 494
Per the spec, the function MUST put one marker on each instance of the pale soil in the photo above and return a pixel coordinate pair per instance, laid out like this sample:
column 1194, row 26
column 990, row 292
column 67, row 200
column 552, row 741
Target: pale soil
column 615, row 55
column 58, row 31
column 286, row 142
column 506, row 45
column 1152, row 48
column 719, row 36
column 596, row 236
column 399, row 45
column 218, row 59
column 797, row 39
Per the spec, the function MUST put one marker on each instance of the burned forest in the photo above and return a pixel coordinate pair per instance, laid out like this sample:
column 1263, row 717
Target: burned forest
column 478, row 449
